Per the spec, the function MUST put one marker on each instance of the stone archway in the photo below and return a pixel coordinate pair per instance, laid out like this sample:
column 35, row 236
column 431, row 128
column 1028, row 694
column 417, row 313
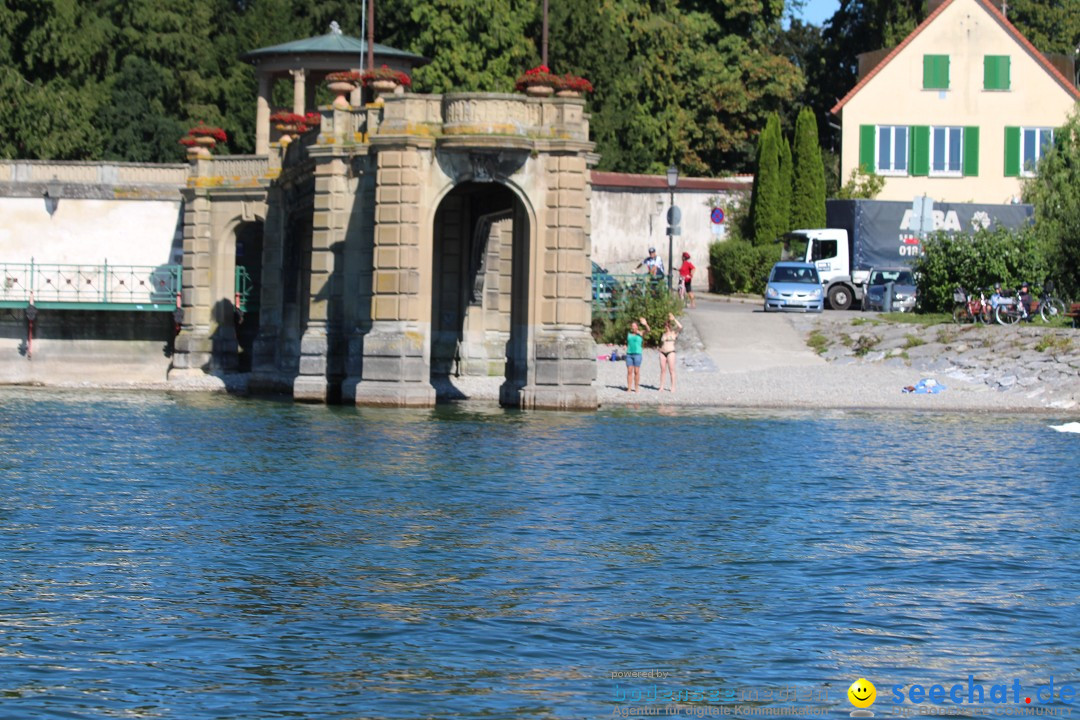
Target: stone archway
column 479, row 312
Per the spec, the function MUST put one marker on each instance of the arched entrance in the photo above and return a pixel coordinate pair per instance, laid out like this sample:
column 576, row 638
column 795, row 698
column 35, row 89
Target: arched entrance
column 479, row 298
column 249, row 252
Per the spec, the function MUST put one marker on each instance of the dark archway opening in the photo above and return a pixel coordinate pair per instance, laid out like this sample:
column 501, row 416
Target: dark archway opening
column 479, row 290
column 248, row 280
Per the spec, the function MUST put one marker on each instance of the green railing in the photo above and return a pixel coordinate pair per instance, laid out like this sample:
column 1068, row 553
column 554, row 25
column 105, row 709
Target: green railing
column 153, row 288
column 245, row 289
column 610, row 292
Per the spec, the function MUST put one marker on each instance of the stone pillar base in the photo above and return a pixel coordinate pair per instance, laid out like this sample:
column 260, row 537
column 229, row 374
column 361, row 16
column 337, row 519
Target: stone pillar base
column 192, row 350
column 394, row 394
column 553, row 397
column 317, row 382
column 313, row 389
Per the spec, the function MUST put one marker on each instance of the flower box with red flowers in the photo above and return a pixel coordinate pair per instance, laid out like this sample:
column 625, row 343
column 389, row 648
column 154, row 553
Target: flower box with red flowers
column 539, row 75
column 209, row 131
column 575, row 83
column 385, row 73
column 345, row 76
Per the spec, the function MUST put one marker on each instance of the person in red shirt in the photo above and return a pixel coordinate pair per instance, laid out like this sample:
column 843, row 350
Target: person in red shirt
column 686, row 272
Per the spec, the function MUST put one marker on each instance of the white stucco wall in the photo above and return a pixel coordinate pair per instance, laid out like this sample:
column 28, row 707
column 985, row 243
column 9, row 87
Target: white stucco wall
column 124, row 232
column 627, row 221
column 966, row 32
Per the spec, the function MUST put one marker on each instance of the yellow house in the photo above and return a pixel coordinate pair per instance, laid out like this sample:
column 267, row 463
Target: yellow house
column 959, row 111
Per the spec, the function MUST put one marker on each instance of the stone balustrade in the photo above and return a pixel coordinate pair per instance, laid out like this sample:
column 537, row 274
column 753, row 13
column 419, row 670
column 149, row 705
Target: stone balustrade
column 93, row 173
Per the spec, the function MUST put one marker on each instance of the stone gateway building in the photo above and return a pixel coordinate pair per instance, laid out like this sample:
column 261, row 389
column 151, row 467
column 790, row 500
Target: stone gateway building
column 412, row 237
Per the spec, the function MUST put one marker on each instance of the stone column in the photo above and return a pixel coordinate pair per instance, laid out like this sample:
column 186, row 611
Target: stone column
column 264, row 366
column 194, row 347
column 396, row 369
column 564, row 351
column 299, row 78
column 320, row 353
column 262, row 115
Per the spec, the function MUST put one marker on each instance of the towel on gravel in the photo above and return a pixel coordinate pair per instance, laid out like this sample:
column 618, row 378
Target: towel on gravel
column 926, row 386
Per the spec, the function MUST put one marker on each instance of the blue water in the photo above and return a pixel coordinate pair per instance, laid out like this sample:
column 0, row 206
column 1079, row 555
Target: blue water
column 199, row 557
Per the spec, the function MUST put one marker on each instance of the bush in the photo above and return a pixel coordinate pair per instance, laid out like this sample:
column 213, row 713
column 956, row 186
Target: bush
column 976, row 261
column 739, row 267
column 651, row 300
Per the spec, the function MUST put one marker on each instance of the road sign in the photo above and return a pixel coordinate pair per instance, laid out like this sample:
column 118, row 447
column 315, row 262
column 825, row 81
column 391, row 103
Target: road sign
column 717, row 216
column 674, row 230
column 674, row 215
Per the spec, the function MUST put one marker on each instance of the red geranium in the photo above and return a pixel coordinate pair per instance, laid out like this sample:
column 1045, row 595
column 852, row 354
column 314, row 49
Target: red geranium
column 386, row 73
column 312, row 119
column 539, row 75
column 344, row 76
column 204, row 130
column 573, row 82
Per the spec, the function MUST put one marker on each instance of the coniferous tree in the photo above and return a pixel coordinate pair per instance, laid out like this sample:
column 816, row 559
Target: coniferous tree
column 766, row 203
column 808, row 186
column 786, row 174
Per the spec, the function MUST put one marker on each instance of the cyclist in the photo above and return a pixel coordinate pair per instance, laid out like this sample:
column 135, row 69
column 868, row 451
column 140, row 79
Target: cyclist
column 998, row 298
column 1025, row 301
column 654, row 264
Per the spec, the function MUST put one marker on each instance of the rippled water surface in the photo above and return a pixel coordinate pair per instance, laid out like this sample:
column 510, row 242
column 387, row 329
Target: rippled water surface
column 193, row 557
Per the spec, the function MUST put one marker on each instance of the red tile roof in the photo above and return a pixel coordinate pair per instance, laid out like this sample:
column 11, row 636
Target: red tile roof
column 997, row 15
column 629, row 180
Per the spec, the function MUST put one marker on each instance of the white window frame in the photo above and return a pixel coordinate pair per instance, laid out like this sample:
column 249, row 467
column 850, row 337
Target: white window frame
column 949, row 132
column 892, row 171
column 1025, row 170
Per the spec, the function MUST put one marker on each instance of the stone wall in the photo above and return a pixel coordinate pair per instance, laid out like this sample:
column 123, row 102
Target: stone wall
column 80, row 347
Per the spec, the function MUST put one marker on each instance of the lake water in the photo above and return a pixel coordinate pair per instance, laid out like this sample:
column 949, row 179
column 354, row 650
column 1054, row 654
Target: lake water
column 202, row 557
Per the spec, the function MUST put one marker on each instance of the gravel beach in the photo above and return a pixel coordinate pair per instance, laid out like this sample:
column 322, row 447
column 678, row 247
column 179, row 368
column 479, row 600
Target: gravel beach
column 733, row 355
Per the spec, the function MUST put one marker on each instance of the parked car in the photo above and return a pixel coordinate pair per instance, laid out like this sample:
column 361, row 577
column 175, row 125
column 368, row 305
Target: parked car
column 604, row 285
column 903, row 289
column 794, row 286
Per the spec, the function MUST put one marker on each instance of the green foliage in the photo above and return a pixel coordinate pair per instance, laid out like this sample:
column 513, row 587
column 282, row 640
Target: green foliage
column 786, row 176
column 808, row 186
column 687, row 82
column 766, row 203
column 650, row 300
column 1055, row 193
column 976, row 261
column 861, row 185
column 739, row 267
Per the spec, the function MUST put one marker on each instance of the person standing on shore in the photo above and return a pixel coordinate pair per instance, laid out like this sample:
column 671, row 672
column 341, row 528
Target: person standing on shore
column 635, row 343
column 686, row 272
column 667, row 349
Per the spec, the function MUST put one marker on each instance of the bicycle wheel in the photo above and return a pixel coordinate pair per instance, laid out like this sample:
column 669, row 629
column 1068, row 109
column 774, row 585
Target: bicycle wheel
column 1051, row 309
column 1006, row 314
column 960, row 314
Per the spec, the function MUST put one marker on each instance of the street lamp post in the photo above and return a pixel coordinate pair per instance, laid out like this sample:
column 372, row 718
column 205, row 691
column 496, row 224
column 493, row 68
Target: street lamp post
column 673, row 218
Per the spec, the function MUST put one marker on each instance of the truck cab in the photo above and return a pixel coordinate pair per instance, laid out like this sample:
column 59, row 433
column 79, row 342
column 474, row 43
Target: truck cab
column 830, row 250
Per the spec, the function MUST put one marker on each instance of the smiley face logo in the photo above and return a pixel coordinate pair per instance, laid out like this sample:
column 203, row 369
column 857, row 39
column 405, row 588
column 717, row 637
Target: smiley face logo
column 862, row 693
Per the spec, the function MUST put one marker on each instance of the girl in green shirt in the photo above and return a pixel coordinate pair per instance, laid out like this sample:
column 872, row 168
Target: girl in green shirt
column 635, row 341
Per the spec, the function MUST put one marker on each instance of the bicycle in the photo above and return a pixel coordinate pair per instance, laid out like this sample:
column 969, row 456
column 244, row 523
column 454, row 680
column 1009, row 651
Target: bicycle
column 1050, row 308
column 1010, row 310
column 969, row 308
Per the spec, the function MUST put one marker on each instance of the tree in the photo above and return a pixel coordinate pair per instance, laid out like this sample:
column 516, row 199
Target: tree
column 808, row 185
column 1055, row 193
column 150, row 135
column 765, row 203
column 786, row 176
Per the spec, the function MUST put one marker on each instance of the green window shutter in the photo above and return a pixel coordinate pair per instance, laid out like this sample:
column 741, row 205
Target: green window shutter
column 935, row 72
column 919, row 162
column 1012, row 152
column 971, row 151
column 996, row 72
column 867, row 134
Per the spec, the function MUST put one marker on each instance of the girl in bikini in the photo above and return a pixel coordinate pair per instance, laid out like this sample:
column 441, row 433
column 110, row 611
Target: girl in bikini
column 672, row 328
